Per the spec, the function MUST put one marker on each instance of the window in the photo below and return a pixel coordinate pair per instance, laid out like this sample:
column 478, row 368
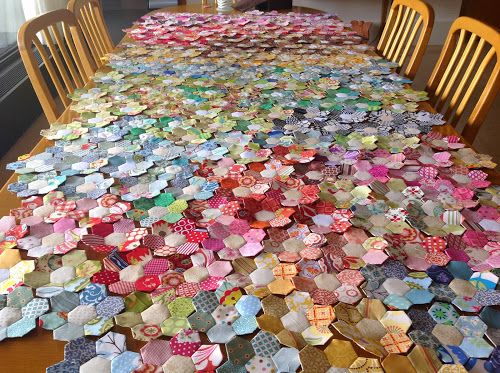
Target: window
column 11, row 17
column 13, row 13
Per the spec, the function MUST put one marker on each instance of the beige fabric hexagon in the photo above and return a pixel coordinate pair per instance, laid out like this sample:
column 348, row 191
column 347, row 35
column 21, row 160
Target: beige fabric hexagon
column 355, row 250
column 9, row 316
column 462, row 287
column 175, row 239
column 179, row 364
column 265, row 215
column 196, row 274
column 62, row 275
column 82, row 314
column 396, row 286
column 295, row 321
column 234, row 241
column 115, row 239
column 131, row 273
column 241, row 191
column 43, row 211
column 327, row 281
column 447, row 334
column 96, row 364
column 294, row 245
column 157, row 211
column 211, row 214
column 53, row 239
column 370, row 328
column 74, row 258
column 155, row 314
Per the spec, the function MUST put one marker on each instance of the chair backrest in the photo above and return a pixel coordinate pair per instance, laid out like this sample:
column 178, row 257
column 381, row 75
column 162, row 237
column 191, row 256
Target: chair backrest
column 471, row 51
column 91, row 21
column 56, row 38
column 409, row 22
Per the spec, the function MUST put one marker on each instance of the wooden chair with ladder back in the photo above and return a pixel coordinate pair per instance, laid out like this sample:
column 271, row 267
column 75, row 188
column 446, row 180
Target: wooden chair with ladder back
column 409, row 22
column 91, row 20
column 56, row 38
column 469, row 59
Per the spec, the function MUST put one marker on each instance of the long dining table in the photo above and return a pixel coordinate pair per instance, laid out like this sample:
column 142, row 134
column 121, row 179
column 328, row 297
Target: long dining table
column 37, row 350
column 10, row 201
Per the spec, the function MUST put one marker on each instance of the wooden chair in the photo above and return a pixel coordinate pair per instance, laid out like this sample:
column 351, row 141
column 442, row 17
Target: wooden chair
column 91, row 21
column 471, row 51
column 407, row 19
column 57, row 39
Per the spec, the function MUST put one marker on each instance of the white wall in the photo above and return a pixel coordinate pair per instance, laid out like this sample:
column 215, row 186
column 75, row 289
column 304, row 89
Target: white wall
column 446, row 11
column 370, row 10
column 367, row 10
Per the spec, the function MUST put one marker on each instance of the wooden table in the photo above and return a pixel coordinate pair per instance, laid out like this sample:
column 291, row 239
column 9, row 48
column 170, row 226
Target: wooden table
column 212, row 9
column 38, row 350
column 10, row 201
